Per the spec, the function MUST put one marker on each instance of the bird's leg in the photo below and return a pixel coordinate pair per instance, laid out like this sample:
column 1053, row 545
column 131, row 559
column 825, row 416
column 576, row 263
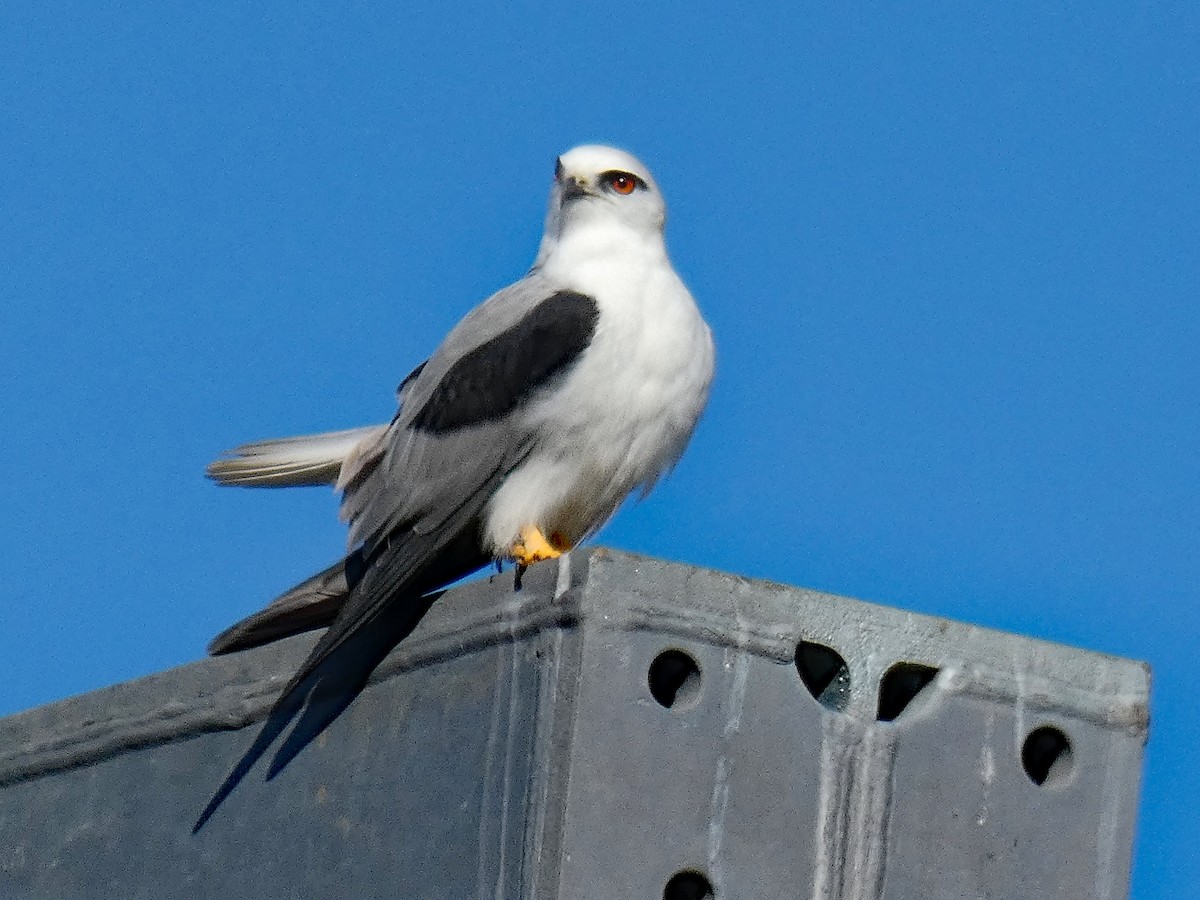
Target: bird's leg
column 532, row 547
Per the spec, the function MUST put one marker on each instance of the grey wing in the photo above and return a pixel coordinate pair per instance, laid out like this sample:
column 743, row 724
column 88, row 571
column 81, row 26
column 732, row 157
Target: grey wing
column 415, row 497
column 458, row 430
column 414, row 494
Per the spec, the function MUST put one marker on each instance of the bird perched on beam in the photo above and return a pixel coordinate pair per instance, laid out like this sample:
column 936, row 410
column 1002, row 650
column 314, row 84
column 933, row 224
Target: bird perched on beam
column 524, row 431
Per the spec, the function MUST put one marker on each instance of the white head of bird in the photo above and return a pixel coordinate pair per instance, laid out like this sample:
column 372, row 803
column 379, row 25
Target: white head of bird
column 598, row 188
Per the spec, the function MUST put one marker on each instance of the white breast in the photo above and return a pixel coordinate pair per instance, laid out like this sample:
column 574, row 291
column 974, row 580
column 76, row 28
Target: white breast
column 624, row 414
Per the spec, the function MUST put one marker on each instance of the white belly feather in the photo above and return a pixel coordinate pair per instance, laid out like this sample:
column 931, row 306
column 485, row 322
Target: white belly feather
column 623, row 414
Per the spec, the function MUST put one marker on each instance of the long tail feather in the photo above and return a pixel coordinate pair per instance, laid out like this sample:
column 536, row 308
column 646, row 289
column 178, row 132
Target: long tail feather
column 290, row 462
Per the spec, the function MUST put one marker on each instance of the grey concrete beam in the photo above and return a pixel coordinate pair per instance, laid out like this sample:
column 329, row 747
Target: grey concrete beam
column 622, row 728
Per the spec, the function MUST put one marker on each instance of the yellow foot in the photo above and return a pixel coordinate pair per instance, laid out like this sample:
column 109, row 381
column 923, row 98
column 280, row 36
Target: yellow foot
column 532, row 546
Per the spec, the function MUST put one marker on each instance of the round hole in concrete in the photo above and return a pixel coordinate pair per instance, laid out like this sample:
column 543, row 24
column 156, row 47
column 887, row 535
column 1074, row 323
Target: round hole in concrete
column 674, row 679
column 1047, row 756
column 688, row 885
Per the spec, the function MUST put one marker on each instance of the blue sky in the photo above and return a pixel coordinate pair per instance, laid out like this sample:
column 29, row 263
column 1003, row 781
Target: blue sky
column 949, row 256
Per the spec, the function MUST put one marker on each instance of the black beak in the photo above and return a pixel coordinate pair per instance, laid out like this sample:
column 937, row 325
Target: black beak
column 572, row 190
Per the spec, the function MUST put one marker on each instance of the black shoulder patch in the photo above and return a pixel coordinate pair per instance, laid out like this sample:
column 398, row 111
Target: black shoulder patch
column 494, row 378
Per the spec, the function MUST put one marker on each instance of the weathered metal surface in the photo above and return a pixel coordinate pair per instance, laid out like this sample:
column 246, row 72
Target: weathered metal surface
column 788, row 744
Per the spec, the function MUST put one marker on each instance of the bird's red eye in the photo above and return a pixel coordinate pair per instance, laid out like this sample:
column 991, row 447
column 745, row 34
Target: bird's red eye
column 622, row 182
